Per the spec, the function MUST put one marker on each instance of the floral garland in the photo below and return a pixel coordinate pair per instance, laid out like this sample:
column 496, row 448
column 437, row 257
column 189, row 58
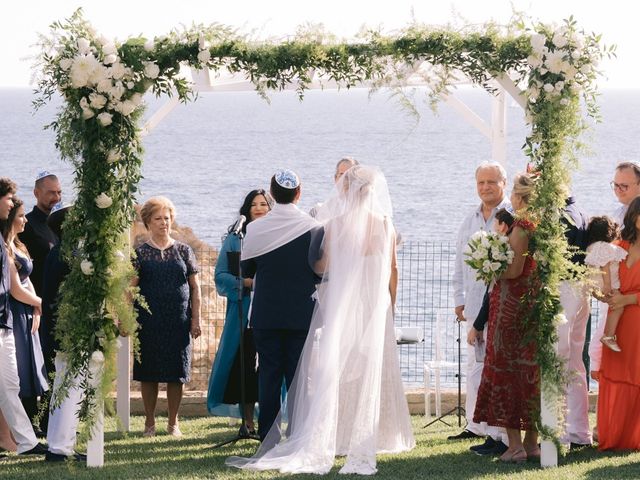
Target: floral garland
column 103, row 83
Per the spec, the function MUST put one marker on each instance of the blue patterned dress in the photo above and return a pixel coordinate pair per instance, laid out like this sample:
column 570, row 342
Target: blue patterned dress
column 31, row 370
column 165, row 341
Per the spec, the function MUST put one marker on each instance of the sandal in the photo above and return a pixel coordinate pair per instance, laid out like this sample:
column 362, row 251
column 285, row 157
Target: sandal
column 610, row 341
column 149, row 431
column 516, row 456
column 174, row 430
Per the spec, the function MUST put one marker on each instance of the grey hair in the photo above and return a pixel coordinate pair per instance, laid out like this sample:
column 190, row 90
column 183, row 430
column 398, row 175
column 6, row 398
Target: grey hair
column 493, row 164
column 350, row 160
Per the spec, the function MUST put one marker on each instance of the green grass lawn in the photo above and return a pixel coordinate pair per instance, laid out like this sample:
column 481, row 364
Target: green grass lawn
column 129, row 456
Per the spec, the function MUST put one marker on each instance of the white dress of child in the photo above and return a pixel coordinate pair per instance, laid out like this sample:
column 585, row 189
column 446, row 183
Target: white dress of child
column 601, row 253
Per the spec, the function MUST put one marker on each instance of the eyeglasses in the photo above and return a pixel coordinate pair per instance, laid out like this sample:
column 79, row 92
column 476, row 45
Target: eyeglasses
column 623, row 187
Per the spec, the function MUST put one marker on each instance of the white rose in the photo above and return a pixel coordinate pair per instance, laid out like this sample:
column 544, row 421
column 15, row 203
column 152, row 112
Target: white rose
column 586, row 69
column 542, row 70
column 537, row 42
column 109, row 59
column 149, row 45
column 113, row 155
column 560, row 319
column 87, row 267
column 97, row 101
column 117, row 71
column 126, row 107
column 204, row 56
column 564, row 101
column 117, row 91
column 81, row 69
column 555, row 62
column 109, row 49
column 130, row 85
column 98, row 74
column 559, row 86
column 105, row 119
column 151, row 70
column 570, row 72
column 103, row 201
column 478, row 235
column 104, row 85
column 84, row 46
column 576, row 54
column 534, row 61
column 65, row 64
column 87, row 113
column 97, row 357
column 559, row 39
column 495, row 266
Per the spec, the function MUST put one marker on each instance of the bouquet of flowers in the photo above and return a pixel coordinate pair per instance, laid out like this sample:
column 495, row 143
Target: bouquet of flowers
column 489, row 254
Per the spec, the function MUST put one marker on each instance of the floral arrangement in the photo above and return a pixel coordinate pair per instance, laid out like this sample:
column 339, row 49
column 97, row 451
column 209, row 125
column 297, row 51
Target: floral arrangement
column 103, row 84
column 489, row 254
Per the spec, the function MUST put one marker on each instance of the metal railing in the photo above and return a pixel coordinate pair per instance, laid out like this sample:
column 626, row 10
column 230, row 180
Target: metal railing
column 425, row 299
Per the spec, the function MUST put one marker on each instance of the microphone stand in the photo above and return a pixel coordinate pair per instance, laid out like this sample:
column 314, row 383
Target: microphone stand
column 459, row 409
column 243, row 432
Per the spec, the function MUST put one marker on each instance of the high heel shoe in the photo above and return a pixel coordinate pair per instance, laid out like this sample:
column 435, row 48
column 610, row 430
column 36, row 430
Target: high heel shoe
column 516, row 456
column 610, row 341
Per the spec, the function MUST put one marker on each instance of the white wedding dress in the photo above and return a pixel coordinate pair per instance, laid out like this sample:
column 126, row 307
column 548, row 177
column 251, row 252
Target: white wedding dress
column 347, row 397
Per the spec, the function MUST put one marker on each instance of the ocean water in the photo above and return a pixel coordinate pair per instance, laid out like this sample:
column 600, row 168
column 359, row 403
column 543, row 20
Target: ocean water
column 207, row 155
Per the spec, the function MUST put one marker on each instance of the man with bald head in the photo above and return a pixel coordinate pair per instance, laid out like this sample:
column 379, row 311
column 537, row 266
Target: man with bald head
column 37, row 236
column 468, row 292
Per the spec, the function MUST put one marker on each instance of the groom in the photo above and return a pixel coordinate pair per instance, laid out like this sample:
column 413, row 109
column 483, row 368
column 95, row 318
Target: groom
column 276, row 255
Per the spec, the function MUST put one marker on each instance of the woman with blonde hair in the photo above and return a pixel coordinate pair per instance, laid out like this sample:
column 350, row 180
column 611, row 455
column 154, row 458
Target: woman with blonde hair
column 509, row 392
column 168, row 280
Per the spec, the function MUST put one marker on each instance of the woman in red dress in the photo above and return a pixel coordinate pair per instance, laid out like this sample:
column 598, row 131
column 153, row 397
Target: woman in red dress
column 619, row 375
column 509, row 392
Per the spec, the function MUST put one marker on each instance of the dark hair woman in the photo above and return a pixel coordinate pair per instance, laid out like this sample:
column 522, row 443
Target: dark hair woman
column 26, row 309
column 223, row 398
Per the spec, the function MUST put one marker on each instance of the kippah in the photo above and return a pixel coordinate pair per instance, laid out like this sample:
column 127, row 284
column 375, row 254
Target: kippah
column 287, row 179
column 43, row 174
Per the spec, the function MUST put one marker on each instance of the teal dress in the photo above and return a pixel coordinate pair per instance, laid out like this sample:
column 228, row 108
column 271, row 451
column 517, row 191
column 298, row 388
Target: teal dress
column 224, row 388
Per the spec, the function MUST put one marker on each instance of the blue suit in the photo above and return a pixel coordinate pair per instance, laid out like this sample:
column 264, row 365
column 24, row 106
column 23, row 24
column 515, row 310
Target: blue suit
column 281, row 313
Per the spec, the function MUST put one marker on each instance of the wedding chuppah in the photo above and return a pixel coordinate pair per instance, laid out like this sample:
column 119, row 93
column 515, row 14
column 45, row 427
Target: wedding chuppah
column 547, row 70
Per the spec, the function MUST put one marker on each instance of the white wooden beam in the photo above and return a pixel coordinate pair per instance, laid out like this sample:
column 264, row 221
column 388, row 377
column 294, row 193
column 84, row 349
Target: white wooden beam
column 512, row 89
column 159, row 115
column 499, row 128
column 471, row 117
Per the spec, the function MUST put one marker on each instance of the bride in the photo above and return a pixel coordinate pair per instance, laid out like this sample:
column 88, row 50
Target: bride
column 347, row 397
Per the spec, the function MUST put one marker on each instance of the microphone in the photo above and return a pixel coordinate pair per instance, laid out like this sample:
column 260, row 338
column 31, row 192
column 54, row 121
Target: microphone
column 237, row 228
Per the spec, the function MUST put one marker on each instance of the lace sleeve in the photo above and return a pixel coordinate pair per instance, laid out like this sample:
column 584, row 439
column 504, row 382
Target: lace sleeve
column 601, row 253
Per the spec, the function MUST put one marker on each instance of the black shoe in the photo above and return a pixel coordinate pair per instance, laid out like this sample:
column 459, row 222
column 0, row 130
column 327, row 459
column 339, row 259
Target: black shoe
column 579, row 446
column 57, row 457
column 488, row 444
column 463, row 435
column 499, row 448
column 39, row 449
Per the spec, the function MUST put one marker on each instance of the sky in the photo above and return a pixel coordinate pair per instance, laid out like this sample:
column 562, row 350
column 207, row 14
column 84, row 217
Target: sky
column 22, row 20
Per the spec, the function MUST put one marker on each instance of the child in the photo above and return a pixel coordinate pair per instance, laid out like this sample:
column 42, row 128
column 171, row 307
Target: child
column 603, row 254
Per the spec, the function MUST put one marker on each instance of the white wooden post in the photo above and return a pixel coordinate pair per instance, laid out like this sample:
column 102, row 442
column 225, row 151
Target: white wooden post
column 123, row 384
column 549, row 418
column 95, row 445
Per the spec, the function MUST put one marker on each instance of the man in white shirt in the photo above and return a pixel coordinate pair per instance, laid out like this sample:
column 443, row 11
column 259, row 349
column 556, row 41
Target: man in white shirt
column 626, row 186
column 491, row 180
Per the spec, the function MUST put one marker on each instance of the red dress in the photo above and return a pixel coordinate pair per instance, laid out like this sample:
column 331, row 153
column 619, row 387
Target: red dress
column 509, row 392
column 619, row 391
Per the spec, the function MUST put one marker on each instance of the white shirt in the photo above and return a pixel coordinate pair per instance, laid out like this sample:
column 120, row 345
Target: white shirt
column 467, row 290
column 619, row 213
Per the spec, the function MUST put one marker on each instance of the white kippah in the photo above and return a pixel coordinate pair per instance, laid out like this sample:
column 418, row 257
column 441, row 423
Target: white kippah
column 287, row 179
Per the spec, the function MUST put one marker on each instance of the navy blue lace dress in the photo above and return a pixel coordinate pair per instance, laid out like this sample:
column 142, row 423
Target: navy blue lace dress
column 31, row 369
column 165, row 341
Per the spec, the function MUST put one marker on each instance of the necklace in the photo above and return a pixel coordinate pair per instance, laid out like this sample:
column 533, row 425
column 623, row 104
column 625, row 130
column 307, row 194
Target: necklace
column 155, row 245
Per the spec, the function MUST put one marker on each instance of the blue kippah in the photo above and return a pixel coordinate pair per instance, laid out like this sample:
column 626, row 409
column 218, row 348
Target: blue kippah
column 287, row 179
